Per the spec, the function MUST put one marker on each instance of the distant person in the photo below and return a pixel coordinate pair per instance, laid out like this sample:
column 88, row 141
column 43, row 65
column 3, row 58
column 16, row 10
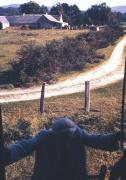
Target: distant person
column 60, row 150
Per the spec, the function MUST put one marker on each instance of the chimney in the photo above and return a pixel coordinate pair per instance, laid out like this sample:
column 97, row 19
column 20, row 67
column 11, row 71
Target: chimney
column 61, row 18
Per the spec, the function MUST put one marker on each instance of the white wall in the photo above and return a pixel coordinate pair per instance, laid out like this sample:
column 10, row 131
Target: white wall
column 5, row 25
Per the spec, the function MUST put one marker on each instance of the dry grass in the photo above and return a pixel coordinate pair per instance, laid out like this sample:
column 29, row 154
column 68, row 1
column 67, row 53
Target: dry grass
column 105, row 110
column 12, row 39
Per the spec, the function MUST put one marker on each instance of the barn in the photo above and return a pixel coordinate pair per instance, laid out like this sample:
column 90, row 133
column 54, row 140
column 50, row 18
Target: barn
column 35, row 21
column 4, row 22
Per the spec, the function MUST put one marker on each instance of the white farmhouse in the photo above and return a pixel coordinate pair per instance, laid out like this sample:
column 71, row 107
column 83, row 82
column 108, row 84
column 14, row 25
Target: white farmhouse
column 4, row 22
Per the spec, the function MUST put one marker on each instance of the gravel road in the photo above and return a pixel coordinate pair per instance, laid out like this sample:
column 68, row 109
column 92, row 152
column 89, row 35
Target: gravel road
column 109, row 72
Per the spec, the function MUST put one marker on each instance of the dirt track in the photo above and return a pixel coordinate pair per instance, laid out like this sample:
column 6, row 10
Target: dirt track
column 104, row 74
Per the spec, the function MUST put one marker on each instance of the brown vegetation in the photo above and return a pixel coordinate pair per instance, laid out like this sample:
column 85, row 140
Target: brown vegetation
column 38, row 63
column 23, row 120
column 12, row 39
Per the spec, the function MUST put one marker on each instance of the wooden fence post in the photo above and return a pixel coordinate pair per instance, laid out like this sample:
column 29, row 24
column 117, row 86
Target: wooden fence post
column 87, row 96
column 42, row 98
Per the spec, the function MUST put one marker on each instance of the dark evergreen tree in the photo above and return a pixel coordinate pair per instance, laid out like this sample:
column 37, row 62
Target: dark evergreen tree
column 99, row 14
column 10, row 11
column 75, row 15
column 43, row 9
column 30, row 8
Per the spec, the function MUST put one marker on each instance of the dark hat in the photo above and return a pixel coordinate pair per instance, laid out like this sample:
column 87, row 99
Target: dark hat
column 62, row 123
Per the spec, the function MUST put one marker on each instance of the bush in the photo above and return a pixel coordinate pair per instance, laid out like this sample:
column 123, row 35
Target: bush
column 41, row 63
column 102, row 38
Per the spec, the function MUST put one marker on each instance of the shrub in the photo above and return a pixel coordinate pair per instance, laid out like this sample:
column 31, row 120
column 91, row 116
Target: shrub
column 41, row 63
column 102, row 38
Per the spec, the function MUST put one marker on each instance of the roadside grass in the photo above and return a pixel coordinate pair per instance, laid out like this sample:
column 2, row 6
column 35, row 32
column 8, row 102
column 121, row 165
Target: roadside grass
column 104, row 115
column 12, row 39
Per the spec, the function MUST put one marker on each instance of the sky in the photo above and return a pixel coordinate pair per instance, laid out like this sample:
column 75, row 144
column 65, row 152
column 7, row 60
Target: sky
column 82, row 4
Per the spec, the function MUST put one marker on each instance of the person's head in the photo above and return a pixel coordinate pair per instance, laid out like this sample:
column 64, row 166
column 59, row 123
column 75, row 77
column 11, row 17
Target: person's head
column 62, row 123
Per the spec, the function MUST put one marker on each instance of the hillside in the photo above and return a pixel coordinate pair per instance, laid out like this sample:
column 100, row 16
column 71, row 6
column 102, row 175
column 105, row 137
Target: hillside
column 121, row 9
column 16, row 6
column 11, row 5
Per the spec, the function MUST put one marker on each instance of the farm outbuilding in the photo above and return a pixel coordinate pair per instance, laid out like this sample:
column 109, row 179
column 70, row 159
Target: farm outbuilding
column 35, row 21
column 4, row 22
column 60, row 19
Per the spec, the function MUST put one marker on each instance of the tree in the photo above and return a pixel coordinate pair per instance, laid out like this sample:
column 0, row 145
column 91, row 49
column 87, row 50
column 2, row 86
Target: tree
column 30, row 8
column 99, row 14
column 43, row 9
column 113, row 19
column 63, row 9
column 75, row 15
column 71, row 14
column 57, row 9
column 10, row 11
column 121, row 16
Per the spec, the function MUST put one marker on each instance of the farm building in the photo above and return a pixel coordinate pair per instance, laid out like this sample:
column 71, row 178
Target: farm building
column 60, row 18
column 35, row 21
column 4, row 22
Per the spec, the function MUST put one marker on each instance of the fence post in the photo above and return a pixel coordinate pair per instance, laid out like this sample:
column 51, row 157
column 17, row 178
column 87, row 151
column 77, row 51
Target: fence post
column 87, row 96
column 42, row 98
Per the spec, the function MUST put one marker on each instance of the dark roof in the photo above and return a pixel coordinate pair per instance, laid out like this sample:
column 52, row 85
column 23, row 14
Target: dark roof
column 3, row 20
column 30, row 18
column 24, row 19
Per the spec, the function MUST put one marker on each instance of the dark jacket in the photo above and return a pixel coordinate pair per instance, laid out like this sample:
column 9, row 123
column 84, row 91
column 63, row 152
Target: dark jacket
column 61, row 155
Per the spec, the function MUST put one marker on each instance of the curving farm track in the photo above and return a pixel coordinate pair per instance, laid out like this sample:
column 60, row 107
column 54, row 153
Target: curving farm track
column 109, row 72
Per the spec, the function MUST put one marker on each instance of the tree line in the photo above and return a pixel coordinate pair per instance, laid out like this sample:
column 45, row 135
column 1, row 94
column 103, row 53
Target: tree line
column 97, row 14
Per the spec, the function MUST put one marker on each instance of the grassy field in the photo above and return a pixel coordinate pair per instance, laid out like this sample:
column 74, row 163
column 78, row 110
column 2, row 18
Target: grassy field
column 23, row 119
column 12, row 39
